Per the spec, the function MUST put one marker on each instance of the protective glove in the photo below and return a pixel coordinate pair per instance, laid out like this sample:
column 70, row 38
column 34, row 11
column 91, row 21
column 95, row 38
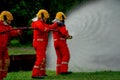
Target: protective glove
column 69, row 37
column 19, row 32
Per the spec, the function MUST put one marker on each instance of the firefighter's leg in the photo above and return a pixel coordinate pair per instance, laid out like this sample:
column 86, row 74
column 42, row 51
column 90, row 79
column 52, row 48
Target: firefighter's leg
column 5, row 67
column 43, row 64
column 59, row 59
column 1, row 77
column 41, row 71
column 6, row 63
column 36, row 68
column 65, row 57
column 38, row 71
column 1, row 63
column 59, row 56
column 40, row 56
column 43, row 67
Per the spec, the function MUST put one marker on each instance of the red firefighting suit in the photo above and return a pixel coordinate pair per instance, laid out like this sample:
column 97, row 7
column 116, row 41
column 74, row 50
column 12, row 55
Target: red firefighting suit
column 40, row 41
column 4, row 57
column 61, row 48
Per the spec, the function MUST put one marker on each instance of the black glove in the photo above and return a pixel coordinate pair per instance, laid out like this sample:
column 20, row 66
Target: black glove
column 69, row 37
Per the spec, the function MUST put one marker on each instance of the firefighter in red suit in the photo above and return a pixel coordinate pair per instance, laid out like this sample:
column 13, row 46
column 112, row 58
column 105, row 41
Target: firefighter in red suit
column 60, row 35
column 5, row 21
column 40, row 41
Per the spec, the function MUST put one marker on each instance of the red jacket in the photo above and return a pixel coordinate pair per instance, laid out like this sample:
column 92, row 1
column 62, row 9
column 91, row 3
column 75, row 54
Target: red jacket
column 41, row 30
column 60, row 32
column 4, row 38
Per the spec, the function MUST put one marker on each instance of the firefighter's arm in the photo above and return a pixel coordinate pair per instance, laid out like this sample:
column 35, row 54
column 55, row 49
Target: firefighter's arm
column 15, row 32
column 42, row 27
column 64, row 32
column 56, row 24
column 69, row 37
column 52, row 26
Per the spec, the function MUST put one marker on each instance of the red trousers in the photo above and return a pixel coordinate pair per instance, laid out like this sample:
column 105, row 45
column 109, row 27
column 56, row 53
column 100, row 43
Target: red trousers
column 63, row 56
column 39, row 68
column 4, row 62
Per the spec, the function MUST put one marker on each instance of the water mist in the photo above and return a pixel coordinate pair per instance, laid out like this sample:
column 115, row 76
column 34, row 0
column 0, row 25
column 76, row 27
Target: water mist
column 95, row 46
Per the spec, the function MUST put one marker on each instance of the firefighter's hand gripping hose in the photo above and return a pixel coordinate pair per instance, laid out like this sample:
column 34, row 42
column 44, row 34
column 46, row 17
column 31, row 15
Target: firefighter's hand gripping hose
column 69, row 37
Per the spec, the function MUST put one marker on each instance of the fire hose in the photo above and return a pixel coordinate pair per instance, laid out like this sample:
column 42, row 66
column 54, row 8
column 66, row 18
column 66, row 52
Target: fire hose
column 21, row 28
column 28, row 28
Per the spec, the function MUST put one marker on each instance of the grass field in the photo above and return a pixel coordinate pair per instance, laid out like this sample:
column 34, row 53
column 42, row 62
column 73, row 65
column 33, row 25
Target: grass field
column 21, row 50
column 26, row 75
column 106, row 75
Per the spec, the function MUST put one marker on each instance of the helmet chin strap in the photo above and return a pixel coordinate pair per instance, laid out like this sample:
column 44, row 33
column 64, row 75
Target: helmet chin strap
column 5, row 20
column 63, row 19
column 42, row 15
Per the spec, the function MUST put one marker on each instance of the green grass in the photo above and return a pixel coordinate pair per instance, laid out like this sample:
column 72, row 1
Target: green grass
column 15, row 48
column 105, row 75
column 21, row 50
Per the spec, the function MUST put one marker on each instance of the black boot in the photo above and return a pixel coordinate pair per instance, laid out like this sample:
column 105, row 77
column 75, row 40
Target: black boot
column 38, row 77
column 45, row 75
column 65, row 73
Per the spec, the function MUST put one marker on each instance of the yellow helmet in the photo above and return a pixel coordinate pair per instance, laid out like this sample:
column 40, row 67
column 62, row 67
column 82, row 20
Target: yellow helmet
column 43, row 14
column 60, row 16
column 6, row 14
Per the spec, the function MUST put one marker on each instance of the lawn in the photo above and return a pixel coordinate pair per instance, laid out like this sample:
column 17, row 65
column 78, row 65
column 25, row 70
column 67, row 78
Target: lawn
column 21, row 50
column 105, row 75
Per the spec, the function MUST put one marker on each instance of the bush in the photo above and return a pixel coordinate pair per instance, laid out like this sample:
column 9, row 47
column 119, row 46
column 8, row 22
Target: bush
column 15, row 43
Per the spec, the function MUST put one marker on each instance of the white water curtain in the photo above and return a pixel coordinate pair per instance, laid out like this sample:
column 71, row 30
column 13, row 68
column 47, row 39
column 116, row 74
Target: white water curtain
column 95, row 46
